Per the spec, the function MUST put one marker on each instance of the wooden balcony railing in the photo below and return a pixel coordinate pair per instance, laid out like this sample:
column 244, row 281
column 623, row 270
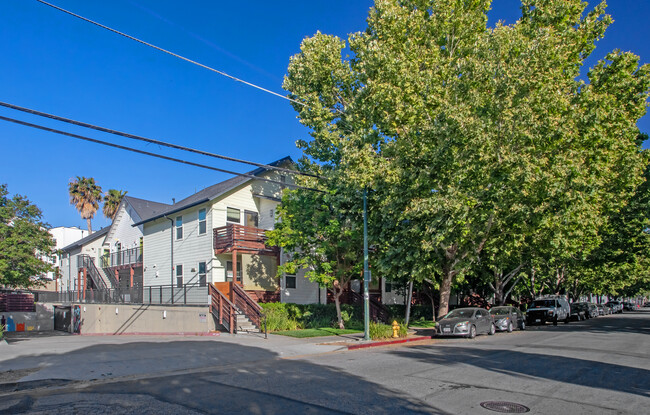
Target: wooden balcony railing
column 241, row 238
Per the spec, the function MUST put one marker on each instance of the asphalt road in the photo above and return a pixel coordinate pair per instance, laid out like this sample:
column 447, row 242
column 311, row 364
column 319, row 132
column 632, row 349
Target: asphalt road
column 599, row 366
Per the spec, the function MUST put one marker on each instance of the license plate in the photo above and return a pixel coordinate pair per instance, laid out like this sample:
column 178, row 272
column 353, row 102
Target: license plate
column 446, row 330
column 537, row 320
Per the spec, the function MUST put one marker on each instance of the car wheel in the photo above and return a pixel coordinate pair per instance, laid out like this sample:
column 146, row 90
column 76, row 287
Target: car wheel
column 510, row 327
column 493, row 330
column 472, row 332
column 523, row 325
column 555, row 321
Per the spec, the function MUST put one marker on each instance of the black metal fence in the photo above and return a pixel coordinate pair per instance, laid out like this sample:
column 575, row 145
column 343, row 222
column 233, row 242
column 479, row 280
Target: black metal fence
column 122, row 257
column 159, row 294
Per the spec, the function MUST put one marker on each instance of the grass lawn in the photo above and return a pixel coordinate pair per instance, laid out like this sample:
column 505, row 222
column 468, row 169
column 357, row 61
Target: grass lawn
column 320, row 332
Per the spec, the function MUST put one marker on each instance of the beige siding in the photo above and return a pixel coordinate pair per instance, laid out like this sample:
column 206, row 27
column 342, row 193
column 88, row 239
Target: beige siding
column 259, row 272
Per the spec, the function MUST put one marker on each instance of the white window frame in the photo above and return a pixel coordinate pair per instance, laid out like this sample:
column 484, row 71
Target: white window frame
column 234, row 208
column 204, row 274
column 204, row 221
column 179, row 277
column 286, row 281
column 178, row 228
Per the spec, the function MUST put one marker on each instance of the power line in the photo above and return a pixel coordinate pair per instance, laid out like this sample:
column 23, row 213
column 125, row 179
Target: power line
column 171, row 53
column 92, row 140
column 149, row 140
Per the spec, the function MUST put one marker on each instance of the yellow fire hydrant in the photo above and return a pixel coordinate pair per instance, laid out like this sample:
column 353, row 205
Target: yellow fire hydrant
column 395, row 329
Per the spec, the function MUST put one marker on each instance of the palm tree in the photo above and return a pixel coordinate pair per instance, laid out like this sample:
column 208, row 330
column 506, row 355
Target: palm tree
column 85, row 195
column 112, row 200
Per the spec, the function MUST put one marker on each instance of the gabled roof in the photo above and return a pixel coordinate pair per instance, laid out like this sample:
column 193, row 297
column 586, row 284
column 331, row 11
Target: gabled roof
column 89, row 238
column 212, row 192
column 146, row 208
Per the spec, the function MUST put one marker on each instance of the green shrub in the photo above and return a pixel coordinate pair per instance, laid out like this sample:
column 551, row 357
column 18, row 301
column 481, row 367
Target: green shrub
column 277, row 317
column 380, row 331
column 286, row 316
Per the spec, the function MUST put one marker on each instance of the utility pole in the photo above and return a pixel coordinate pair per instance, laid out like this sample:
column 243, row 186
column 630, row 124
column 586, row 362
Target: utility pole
column 366, row 271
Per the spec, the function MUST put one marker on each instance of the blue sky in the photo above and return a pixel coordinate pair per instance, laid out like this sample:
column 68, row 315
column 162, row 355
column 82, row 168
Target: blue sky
column 55, row 63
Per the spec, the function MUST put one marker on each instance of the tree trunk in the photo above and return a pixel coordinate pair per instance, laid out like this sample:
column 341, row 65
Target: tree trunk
column 337, row 301
column 90, row 228
column 445, row 292
column 408, row 304
column 433, row 308
column 498, row 288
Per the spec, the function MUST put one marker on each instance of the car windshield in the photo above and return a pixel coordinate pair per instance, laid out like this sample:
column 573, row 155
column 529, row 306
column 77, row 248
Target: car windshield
column 464, row 313
column 500, row 311
column 543, row 303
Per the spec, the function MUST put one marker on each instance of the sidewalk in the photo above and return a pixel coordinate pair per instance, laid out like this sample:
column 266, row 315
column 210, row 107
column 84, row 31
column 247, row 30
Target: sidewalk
column 36, row 357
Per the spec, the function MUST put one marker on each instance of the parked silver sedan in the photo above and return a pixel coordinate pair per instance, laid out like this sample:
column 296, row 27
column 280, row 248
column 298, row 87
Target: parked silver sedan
column 508, row 318
column 466, row 322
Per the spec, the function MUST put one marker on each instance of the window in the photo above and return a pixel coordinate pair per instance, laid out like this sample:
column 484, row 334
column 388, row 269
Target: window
column 290, row 281
column 388, row 287
column 233, row 215
column 179, row 227
column 179, row 276
column 203, row 226
column 229, row 271
column 202, row 274
column 283, row 179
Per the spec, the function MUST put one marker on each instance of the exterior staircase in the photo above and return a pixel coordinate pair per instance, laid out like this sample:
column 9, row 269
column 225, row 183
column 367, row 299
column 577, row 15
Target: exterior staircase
column 244, row 324
column 234, row 309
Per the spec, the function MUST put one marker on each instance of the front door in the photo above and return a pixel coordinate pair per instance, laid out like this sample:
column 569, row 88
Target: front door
column 250, row 219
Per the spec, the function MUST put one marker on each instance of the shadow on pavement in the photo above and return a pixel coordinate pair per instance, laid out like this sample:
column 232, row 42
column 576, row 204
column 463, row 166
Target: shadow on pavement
column 574, row 371
column 198, row 377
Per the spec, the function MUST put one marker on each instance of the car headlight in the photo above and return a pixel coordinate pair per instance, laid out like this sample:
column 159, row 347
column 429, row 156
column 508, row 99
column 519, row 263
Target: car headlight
column 462, row 325
column 501, row 321
column 550, row 312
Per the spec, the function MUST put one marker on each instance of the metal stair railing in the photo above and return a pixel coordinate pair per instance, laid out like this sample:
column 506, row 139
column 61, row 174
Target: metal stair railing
column 110, row 277
column 223, row 309
column 378, row 312
column 85, row 261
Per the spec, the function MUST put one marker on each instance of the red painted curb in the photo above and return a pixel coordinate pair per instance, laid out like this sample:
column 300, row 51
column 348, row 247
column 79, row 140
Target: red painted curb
column 387, row 342
column 151, row 334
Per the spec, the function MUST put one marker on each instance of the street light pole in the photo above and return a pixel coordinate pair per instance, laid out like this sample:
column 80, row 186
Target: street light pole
column 366, row 271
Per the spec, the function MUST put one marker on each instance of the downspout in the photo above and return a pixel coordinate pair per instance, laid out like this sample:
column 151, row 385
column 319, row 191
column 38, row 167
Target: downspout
column 171, row 247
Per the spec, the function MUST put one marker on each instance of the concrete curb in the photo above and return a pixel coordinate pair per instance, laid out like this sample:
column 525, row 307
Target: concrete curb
column 388, row 342
column 3, row 342
column 180, row 333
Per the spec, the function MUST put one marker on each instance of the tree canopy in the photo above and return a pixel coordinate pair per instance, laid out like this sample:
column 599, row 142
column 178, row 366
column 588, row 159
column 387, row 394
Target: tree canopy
column 112, row 200
column 474, row 138
column 24, row 241
column 85, row 195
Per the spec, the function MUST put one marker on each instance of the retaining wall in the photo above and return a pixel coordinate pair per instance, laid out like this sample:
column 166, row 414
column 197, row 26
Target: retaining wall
column 144, row 319
column 40, row 320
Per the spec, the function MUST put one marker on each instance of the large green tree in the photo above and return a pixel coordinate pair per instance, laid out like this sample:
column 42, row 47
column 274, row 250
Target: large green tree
column 458, row 129
column 24, row 241
column 85, row 195
column 323, row 234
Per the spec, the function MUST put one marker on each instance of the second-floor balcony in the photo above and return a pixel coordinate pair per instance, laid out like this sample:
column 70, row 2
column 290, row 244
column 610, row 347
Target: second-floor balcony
column 241, row 238
column 123, row 257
